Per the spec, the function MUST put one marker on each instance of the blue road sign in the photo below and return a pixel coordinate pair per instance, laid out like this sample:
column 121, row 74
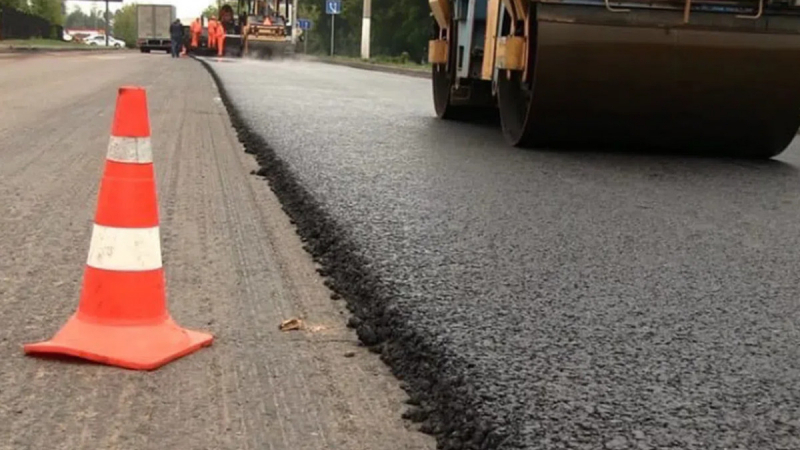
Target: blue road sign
column 333, row 7
column 304, row 24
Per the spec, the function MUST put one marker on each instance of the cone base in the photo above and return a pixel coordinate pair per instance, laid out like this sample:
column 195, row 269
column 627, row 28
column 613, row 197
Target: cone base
column 139, row 347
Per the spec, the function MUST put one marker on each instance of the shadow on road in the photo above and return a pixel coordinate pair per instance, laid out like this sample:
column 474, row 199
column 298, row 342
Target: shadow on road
column 631, row 159
column 483, row 135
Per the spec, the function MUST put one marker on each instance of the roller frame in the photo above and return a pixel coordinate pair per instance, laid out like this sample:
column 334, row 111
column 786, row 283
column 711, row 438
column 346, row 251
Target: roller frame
column 455, row 97
column 664, row 76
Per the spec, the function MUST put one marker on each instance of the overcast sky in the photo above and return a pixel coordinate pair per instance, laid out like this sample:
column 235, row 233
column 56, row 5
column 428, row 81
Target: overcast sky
column 185, row 8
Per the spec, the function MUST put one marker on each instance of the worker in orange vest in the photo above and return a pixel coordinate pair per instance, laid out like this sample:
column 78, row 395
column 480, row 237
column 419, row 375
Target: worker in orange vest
column 196, row 29
column 220, row 38
column 212, row 32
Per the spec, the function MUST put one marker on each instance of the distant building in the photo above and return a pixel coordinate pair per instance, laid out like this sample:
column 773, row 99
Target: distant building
column 81, row 34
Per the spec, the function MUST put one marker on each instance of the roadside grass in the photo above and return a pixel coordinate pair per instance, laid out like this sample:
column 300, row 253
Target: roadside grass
column 45, row 44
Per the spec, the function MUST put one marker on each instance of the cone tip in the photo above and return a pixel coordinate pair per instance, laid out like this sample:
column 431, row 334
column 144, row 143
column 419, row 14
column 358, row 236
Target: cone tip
column 130, row 88
column 131, row 117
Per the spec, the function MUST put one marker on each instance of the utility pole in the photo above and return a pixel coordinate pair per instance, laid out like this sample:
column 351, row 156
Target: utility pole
column 108, row 16
column 293, row 18
column 333, row 21
column 365, row 32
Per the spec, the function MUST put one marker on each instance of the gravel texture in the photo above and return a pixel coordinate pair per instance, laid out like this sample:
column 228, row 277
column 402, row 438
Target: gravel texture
column 234, row 267
column 539, row 299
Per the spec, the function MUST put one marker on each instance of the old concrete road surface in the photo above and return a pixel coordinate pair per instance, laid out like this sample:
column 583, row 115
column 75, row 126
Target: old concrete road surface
column 234, row 266
column 541, row 299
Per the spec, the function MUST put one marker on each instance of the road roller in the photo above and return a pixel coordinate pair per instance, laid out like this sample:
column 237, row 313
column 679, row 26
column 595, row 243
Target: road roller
column 699, row 76
column 267, row 33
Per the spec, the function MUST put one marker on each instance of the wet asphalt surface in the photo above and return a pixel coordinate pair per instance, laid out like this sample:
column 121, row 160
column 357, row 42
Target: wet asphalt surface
column 540, row 299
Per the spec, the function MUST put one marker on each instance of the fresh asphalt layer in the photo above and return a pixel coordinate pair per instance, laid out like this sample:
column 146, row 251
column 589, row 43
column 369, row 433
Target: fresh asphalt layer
column 539, row 299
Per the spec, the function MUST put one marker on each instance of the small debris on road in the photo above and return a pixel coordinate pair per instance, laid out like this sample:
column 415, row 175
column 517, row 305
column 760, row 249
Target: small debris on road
column 291, row 325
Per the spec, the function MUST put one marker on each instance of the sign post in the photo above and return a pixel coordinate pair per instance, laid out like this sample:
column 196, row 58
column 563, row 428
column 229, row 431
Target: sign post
column 305, row 25
column 333, row 7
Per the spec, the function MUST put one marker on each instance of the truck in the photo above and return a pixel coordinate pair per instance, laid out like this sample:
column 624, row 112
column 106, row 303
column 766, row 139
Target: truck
column 711, row 77
column 152, row 25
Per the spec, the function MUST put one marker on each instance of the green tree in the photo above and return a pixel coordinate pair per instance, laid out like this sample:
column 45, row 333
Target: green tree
column 213, row 8
column 347, row 28
column 401, row 26
column 398, row 27
column 95, row 19
column 125, row 24
column 19, row 5
column 76, row 19
column 49, row 10
column 311, row 11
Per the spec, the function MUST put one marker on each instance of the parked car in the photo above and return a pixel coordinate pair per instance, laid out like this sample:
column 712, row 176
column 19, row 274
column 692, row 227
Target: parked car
column 101, row 40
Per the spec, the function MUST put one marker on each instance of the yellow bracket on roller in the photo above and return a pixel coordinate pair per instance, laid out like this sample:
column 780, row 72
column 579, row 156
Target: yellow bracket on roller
column 438, row 48
column 490, row 41
column 511, row 53
column 437, row 51
column 441, row 12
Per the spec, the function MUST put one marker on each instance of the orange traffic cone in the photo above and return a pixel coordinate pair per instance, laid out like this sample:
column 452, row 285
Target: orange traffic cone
column 122, row 319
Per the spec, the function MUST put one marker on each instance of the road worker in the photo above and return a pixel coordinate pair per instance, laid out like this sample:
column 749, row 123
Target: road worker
column 196, row 29
column 225, row 24
column 176, row 37
column 220, row 38
column 212, row 32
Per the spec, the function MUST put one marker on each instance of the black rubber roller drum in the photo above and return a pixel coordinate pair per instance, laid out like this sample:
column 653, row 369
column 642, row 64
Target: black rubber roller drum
column 722, row 85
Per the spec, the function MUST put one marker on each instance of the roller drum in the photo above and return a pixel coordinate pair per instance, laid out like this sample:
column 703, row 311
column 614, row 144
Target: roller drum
column 268, row 49
column 618, row 80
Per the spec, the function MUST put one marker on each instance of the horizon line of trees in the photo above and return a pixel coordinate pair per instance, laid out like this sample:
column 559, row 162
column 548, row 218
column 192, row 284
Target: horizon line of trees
column 400, row 28
column 122, row 23
column 49, row 10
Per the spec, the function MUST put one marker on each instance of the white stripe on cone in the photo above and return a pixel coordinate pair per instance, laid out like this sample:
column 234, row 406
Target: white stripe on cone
column 125, row 249
column 130, row 150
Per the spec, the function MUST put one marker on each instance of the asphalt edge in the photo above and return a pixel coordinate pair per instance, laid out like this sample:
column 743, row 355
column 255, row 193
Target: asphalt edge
column 439, row 402
column 368, row 66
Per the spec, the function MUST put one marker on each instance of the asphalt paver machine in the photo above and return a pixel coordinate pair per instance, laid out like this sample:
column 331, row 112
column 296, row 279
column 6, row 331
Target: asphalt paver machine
column 261, row 29
column 717, row 76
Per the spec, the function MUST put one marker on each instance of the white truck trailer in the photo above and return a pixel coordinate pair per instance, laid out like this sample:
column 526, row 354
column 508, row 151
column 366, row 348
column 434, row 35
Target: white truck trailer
column 152, row 24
